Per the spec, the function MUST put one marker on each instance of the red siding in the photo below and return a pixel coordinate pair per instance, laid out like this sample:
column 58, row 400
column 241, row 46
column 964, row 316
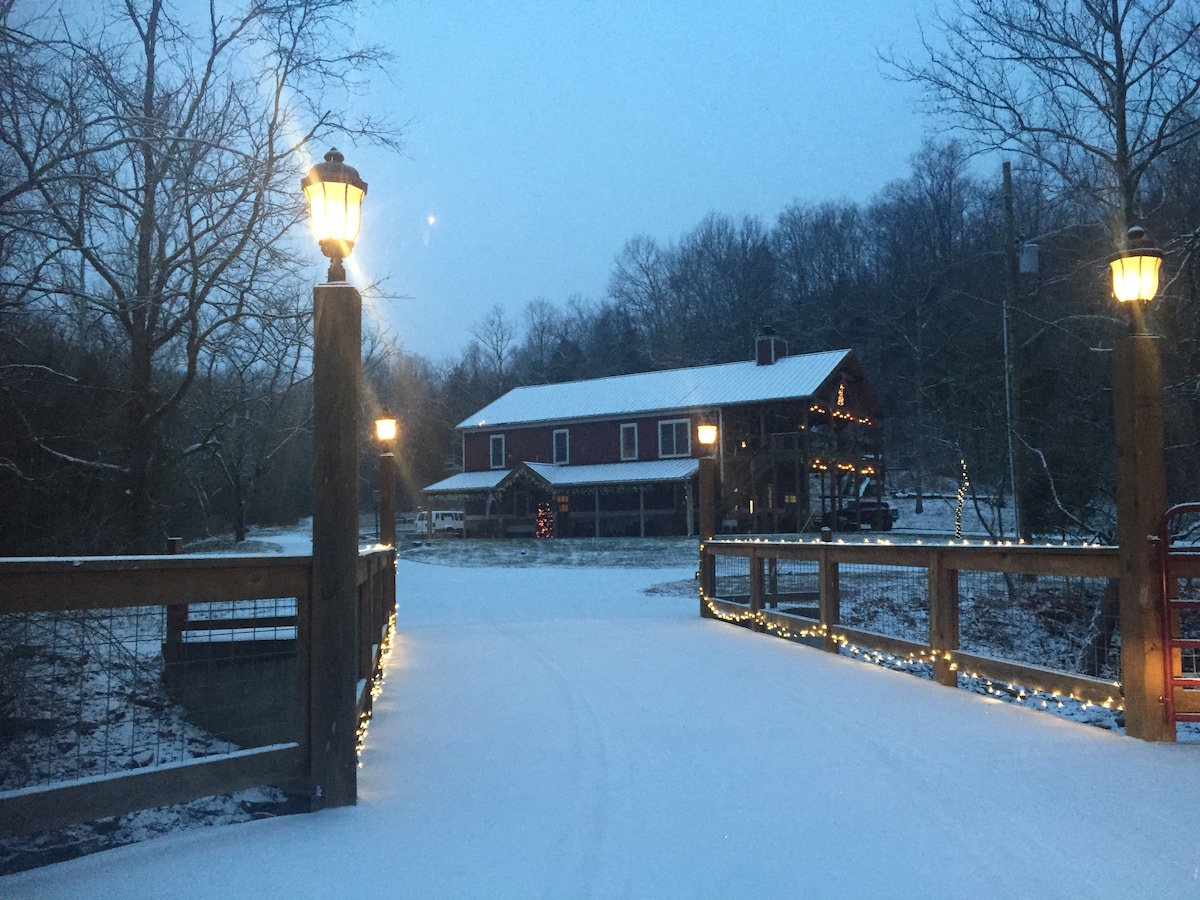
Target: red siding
column 590, row 442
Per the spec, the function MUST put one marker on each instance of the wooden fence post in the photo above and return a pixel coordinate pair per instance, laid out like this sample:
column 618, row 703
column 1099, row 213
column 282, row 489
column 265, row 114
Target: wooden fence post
column 708, row 579
column 943, row 617
column 708, row 497
column 1141, row 502
column 337, row 375
column 756, row 588
column 177, row 613
column 830, row 597
column 366, row 624
column 389, row 593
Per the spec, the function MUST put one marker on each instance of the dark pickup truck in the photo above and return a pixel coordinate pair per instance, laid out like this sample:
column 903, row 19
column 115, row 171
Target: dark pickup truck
column 875, row 514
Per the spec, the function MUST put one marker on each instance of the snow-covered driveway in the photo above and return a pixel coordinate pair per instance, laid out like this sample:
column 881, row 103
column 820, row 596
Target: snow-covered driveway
column 559, row 733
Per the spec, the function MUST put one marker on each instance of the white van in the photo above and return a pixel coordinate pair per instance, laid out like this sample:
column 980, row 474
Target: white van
column 445, row 521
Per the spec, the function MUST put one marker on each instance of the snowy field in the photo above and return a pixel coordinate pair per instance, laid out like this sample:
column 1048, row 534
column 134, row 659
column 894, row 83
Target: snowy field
column 560, row 731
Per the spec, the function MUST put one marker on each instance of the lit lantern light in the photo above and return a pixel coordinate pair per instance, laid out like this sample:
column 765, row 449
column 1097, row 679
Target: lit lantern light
column 335, row 193
column 386, row 427
column 1135, row 269
column 706, row 434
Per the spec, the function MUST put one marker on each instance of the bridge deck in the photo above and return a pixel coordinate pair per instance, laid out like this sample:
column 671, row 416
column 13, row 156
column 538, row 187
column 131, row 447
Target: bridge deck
column 559, row 733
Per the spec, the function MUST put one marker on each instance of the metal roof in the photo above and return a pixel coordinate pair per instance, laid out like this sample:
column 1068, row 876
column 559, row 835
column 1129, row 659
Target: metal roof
column 670, row 389
column 631, row 473
column 468, row 482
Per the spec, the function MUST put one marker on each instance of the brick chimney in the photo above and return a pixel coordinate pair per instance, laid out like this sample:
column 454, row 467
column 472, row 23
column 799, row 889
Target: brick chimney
column 769, row 347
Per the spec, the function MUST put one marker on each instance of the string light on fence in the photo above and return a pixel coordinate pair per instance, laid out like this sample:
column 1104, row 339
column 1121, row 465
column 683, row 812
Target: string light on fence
column 918, row 659
column 377, row 681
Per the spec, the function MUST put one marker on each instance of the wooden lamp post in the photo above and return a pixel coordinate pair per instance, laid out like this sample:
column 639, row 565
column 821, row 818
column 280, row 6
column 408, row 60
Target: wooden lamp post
column 334, row 193
column 706, row 436
column 385, row 432
column 1141, row 490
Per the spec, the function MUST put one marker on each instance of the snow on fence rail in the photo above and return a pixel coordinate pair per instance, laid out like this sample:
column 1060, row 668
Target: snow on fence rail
column 132, row 683
column 1045, row 618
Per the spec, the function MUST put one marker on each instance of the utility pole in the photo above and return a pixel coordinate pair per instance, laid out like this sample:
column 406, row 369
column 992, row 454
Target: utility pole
column 1011, row 292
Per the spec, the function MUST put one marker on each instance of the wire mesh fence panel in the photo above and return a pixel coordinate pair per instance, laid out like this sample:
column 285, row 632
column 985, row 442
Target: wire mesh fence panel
column 732, row 582
column 87, row 693
column 81, row 694
column 227, row 620
column 1066, row 623
column 888, row 600
column 234, row 669
column 793, row 586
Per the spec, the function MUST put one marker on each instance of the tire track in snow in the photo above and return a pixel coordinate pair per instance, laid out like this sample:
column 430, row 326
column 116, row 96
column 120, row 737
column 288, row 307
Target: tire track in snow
column 596, row 805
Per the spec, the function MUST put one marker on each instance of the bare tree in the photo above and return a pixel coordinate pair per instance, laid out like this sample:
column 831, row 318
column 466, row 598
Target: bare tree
column 543, row 331
column 1097, row 90
column 151, row 157
column 246, row 397
column 496, row 335
column 639, row 286
column 819, row 252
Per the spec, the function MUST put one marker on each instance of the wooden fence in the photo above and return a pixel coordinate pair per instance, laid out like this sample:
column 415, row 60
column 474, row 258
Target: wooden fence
column 752, row 596
column 212, row 605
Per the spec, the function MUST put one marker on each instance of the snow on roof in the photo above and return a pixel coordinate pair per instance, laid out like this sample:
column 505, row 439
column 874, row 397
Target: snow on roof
column 669, row 389
column 465, row 482
column 615, row 473
column 572, row 476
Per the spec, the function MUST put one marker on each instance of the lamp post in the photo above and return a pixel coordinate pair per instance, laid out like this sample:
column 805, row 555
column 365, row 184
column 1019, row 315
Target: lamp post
column 385, row 433
column 706, row 436
column 1141, row 490
column 334, row 193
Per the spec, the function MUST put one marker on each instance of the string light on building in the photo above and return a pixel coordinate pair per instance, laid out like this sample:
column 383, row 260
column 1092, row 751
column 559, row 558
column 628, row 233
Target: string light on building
column 545, row 521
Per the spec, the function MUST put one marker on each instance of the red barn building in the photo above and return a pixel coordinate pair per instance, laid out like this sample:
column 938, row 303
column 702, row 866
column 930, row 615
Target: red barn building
column 797, row 449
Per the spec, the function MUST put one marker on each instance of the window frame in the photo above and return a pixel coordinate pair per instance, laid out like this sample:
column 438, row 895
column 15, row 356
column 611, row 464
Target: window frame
column 497, row 440
column 566, row 434
column 674, row 425
column 631, row 428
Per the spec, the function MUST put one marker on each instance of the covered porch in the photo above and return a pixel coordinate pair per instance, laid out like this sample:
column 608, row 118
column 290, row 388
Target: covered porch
column 629, row 499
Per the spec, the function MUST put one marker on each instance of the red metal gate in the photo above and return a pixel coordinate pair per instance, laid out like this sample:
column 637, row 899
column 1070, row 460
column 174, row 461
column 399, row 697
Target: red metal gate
column 1180, row 620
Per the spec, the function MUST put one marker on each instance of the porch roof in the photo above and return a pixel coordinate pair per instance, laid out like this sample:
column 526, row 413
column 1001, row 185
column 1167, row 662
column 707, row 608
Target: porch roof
column 629, row 473
column 553, row 477
column 469, row 482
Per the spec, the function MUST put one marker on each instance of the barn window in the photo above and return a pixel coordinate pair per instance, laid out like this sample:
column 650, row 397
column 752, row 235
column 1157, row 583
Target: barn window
column 675, row 437
column 629, row 447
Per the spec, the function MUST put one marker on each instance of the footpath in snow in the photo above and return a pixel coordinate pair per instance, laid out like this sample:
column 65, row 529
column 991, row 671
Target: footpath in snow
column 559, row 733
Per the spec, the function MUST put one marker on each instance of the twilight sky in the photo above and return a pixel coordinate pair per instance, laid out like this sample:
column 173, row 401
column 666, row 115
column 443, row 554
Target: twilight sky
column 545, row 133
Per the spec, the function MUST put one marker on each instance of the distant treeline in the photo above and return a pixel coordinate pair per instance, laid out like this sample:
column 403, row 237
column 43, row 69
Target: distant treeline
column 155, row 325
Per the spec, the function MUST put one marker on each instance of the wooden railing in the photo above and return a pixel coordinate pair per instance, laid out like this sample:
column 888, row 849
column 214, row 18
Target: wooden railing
column 34, row 590
column 816, row 613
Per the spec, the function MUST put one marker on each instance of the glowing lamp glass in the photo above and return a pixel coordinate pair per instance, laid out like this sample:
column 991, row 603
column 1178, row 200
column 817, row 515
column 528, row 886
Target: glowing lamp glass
column 706, row 434
column 335, row 210
column 1135, row 277
column 334, row 193
column 386, row 428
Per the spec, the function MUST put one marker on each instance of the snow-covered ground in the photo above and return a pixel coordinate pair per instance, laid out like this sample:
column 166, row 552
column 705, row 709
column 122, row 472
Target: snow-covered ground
column 560, row 731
